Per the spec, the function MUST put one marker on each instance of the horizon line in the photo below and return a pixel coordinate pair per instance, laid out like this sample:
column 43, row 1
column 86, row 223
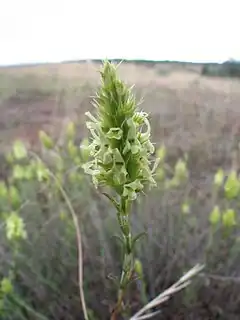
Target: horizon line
column 29, row 64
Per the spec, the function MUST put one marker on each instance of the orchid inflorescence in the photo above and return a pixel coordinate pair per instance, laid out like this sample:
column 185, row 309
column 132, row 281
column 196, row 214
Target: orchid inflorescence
column 120, row 149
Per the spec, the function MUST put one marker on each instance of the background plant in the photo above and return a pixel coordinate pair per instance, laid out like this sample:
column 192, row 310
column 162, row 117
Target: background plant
column 176, row 218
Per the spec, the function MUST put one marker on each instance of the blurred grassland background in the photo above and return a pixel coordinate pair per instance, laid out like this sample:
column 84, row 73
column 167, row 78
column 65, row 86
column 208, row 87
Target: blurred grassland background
column 194, row 112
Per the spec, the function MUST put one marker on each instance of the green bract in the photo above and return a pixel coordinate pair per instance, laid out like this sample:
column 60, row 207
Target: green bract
column 120, row 146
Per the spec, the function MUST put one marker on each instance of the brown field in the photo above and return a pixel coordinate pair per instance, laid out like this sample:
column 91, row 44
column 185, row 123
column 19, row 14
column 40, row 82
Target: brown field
column 191, row 114
column 189, row 111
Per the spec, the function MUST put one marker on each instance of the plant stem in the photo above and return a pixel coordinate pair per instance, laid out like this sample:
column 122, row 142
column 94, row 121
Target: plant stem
column 128, row 259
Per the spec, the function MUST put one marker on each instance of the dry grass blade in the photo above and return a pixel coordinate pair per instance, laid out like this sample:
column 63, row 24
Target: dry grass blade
column 79, row 238
column 182, row 283
column 79, row 244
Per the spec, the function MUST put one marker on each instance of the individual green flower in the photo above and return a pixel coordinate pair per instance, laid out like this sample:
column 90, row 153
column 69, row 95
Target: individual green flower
column 120, row 144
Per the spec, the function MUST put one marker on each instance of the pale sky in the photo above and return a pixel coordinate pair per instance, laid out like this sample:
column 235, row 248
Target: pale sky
column 56, row 30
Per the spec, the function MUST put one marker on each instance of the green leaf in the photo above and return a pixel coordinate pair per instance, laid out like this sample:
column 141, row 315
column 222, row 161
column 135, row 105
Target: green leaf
column 229, row 218
column 232, row 186
column 215, row 216
column 119, row 239
column 137, row 238
column 114, row 202
column 19, row 150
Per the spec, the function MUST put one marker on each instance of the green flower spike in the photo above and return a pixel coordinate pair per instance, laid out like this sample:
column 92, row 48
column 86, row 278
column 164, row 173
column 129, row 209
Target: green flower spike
column 120, row 149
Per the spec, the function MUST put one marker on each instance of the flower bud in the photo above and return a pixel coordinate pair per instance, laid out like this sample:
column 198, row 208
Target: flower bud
column 46, row 141
column 71, row 130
